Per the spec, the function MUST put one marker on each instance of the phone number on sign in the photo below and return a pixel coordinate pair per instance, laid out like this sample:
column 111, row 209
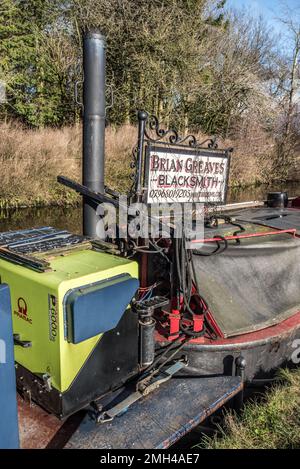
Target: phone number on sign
column 181, row 193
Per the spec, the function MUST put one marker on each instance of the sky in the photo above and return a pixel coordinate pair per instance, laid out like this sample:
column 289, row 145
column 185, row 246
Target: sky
column 269, row 9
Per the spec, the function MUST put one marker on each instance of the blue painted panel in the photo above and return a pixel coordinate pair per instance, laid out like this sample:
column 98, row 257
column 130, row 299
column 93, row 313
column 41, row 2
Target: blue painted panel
column 98, row 308
column 9, row 432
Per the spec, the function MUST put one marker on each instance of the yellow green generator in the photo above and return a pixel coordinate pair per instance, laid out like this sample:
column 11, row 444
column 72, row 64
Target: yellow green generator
column 75, row 335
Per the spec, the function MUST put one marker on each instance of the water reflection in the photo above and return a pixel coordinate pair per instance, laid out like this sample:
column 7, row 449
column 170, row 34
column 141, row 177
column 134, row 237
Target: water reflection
column 62, row 218
column 70, row 218
column 260, row 192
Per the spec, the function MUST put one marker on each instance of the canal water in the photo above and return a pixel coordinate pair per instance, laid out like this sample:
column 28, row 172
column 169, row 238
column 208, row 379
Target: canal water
column 70, row 218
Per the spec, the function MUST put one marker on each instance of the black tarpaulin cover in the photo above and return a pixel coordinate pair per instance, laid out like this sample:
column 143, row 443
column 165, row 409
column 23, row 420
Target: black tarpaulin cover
column 252, row 285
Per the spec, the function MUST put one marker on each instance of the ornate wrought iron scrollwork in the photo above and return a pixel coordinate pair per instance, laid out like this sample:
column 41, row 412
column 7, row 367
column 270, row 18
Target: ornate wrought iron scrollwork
column 133, row 166
column 172, row 137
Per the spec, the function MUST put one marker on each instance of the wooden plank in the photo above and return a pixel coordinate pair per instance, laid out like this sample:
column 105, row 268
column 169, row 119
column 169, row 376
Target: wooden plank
column 161, row 418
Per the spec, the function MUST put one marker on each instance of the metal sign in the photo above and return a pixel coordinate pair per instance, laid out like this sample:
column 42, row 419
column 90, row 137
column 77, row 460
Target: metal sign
column 186, row 175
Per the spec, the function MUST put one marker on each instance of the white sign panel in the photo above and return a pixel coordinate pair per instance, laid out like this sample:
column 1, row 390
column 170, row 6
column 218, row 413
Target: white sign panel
column 186, row 175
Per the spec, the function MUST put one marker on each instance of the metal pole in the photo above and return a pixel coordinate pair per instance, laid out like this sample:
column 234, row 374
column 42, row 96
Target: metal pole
column 142, row 118
column 240, row 364
column 94, row 58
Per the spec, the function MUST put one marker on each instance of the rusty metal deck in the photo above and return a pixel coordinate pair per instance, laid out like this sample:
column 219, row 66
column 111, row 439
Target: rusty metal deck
column 36, row 426
column 161, row 418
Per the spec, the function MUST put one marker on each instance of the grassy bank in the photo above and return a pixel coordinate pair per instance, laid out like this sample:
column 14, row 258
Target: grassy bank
column 273, row 422
column 30, row 161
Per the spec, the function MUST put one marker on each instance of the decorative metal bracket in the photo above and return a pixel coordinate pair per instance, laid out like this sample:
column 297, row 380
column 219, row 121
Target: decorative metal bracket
column 172, row 137
column 148, row 124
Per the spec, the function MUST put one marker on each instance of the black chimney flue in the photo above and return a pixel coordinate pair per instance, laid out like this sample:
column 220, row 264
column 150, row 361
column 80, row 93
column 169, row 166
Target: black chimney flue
column 94, row 58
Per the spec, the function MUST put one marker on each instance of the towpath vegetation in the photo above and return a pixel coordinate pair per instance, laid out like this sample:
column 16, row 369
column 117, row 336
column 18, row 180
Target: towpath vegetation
column 31, row 159
column 271, row 422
